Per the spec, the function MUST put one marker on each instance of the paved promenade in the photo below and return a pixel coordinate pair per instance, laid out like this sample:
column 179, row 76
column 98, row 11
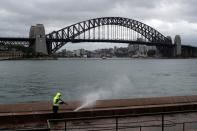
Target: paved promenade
column 36, row 114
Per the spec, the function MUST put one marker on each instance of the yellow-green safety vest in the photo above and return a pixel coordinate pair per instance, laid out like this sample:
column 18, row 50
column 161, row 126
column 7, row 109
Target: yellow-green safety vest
column 56, row 100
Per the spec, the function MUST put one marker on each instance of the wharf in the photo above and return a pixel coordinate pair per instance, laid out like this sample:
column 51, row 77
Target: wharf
column 4, row 58
column 36, row 114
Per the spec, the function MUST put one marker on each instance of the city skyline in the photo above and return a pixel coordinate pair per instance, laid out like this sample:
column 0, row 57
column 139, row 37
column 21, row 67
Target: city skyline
column 168, row 17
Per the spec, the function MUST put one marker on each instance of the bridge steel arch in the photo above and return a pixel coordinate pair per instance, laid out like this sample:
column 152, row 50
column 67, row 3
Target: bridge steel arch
column 57, row 39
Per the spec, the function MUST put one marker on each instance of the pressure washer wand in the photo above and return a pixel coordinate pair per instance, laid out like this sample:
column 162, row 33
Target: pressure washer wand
column 64, row 102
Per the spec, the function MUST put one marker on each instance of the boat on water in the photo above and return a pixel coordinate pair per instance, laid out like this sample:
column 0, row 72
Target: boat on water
column 104, row 58
column 139, row 56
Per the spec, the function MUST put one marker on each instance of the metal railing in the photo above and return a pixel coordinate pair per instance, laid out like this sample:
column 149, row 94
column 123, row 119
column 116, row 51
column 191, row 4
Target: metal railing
column 100, row 124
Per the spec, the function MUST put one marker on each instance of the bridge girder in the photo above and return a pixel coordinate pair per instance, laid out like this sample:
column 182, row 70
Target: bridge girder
column 69, row 33
column 16, row 41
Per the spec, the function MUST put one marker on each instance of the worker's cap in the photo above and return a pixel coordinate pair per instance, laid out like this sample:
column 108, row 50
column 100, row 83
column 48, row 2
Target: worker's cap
column 58, row 94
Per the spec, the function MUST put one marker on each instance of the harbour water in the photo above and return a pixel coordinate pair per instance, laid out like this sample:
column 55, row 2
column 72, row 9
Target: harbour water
column 81, row 79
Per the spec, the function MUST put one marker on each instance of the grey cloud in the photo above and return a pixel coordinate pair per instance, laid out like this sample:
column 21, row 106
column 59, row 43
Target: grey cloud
column 16, row 17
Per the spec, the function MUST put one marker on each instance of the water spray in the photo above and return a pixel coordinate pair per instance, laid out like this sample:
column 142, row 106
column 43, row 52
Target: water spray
column 86, row 104
column 120, row 85
column 89, row 101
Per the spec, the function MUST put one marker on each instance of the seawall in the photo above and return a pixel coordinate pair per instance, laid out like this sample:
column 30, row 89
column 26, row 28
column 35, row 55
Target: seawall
column 36, row 114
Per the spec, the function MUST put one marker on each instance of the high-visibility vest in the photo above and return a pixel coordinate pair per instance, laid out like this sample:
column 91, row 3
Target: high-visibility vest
column 56, row 101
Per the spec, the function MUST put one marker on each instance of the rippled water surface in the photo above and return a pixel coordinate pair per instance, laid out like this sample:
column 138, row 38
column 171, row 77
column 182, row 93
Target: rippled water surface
column 24, row 81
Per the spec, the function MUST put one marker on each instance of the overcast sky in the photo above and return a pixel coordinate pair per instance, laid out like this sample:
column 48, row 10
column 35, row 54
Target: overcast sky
column 170, row 17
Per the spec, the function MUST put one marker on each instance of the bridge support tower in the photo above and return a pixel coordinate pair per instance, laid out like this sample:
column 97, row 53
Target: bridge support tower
column 39, row 45
column 167, row 51
column 177, row 47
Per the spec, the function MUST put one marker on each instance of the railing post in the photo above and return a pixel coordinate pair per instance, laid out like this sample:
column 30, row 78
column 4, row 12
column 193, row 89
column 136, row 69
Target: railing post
column 65, row 126
column 183, row 126
column 116, row 123
column 140, row 128
column 162, row 121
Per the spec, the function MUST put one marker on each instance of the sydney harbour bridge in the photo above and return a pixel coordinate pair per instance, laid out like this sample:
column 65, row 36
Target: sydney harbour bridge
column 105, row 29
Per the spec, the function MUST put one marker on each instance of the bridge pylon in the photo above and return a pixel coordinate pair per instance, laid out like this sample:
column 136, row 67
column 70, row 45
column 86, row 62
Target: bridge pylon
column 177, row 42
column 39, row 45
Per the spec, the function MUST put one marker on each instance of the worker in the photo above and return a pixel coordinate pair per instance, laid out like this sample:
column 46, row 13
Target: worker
column 56, row 102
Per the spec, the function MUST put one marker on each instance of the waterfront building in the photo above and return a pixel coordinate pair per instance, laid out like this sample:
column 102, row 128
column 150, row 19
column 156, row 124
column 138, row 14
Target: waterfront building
column 6, row 53
column 11, row 54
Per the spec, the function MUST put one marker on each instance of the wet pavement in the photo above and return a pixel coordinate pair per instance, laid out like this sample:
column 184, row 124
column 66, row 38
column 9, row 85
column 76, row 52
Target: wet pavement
column 36, row 114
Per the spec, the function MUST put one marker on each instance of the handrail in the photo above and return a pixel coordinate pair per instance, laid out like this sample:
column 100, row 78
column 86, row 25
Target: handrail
column 121, row 116
column 125, row 125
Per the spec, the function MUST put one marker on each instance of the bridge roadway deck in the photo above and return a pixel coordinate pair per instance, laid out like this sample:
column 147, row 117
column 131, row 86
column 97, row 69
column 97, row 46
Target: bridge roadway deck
column 36, row 114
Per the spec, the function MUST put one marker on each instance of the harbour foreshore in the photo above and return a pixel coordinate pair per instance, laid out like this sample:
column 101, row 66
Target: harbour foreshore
column 36, row 114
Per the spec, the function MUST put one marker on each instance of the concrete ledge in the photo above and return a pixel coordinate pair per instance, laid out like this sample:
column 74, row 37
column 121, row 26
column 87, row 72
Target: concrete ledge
column 36, row 114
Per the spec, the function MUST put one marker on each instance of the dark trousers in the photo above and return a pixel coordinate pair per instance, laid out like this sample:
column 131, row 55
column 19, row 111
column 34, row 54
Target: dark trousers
column 55, row 109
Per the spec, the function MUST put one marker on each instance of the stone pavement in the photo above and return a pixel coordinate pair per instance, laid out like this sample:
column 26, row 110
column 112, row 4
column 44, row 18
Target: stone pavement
column 36, row 114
